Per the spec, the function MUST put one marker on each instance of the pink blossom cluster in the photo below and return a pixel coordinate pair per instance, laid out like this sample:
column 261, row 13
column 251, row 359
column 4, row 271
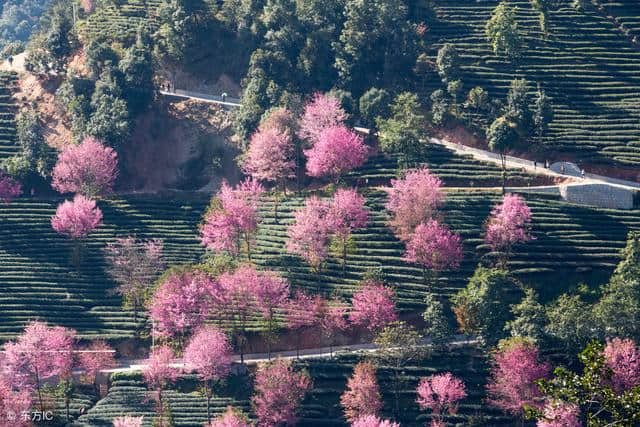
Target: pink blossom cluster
column 270, row 155
column 9, row 188
column 362, row 396
column 372, row 306
column 622, row 356
column 509, row 223
column 77, row 218
column 231, row 418
column 373, row 421
column 435, row 247
column 128, row 421
column 560, row 414
column 322, row 112
column 441, row 394
column 337, row 150
column 209, row 353
column 234, row 220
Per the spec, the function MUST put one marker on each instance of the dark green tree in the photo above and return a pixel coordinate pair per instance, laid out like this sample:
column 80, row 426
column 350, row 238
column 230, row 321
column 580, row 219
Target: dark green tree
column 110, row 120
column 439, row 107
column 517, row 108
column 374, row 103
column 404, row 132
column 482, row 307
column 570, row 321
column 542, row 112
column 437, row 326
column 529, row 318
column 502, row 136
column 502, row 33
column 448, row 63
column 137, row 70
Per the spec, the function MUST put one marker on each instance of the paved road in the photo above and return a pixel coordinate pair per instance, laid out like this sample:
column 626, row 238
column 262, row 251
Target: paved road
column 212, row 99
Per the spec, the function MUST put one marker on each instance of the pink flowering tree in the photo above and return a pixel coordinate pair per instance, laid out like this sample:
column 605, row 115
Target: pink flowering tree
column 301, row 313
column 231, row 418
column 271, row 156
column 238, row 302
column 515, row 369
column 560, row 414
column 232, row 220
column 89, row 169
column 9, row 188
column 440, row 393
column 134, row 265
column 332, row 320
column 271, row 293
column 309, row 234
column 128, row 421
column 413, row 200
column 347, row 213
column 94, row 358
column 434, row 248
column 13, row 404
column 159, row 373
column 321, row 112
column 209, row 354
column 181, row 303
column 373, row 421
column 362, row 396
column 279, row 390
column 75, row 219
column 40, row 353
column 508, row 224
column 337, row 150
column 622, row 356
column 372, row 306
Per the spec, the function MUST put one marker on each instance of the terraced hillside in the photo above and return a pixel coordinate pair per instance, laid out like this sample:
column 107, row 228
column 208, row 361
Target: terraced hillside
column 626, row 12
column 586, row 66
column 321, row 407
column 38, row 282
column 8, row 147
column 454, row 169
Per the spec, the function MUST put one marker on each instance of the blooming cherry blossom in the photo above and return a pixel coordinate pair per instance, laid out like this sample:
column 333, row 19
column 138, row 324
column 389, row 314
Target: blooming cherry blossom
column 76, row 219
column 337, row 150
column 508, row 224
column 441, row 394
column 373, row 306
column 362, row 396
column 373, row 421
column 323, row 111
column 309, row 235
column 622, row 356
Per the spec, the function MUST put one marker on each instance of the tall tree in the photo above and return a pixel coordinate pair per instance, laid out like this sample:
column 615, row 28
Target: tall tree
column 302, row 312
column 231, row 418
column 502, row 33
column 347, row 213
column 337, row 151
column 437, row 325
column 94, row 358
column 75, row 219
column 399, row 344
column 374, row 103
column 9, row 188
column 89, row 169
column 279, row 390
column 542, row 112
column 321, row 112
column 181, row 303
column 413, row 200
column 13, row 404
column 40, row 353
column 309, row 234
column 271, row 293
column 448, row 63
column 208, row 353
column 158, row 374
column 373, row 421
column 362, row 396
column 515, row 369
column 482, row 307
column 231, row 221
column 517, row 108
column 134, row 265
column 434, row 247
column 373, row 306
column 403, row 133
column 440, row 393
column 508, row 224
column 502, row 137
column 622, row 356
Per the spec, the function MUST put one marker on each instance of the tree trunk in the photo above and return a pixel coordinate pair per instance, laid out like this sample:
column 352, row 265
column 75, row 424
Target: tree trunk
column 344, row 258
column 504, row 171
column 209, row 392
column 275, row 207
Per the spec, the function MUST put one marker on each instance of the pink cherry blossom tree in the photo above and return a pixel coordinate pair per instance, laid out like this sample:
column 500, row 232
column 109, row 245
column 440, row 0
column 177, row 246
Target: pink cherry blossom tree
column 279, row 390
column 373, row 421
column 413, row 200
column 238, row 302
column 92, row 359
column 209, row 354
column 231, row 418
column 128, row 421
column 40, row 353
column 89, row 169
column 332, row 319
column 362, row 396
column 77, row 218
column 508, row 224
column 13, row 404
column 373, row 306
column 321, row 112
column 337, row 150
column 622, row 356
column 302, row 312
column 347, row 213
column 159, row 373
column 182, row 302
column 560, row 414
column 271, row 293
column 440, row 393
column 9, row 188
column 134, row 265
column 232, row 220
column 515, row 368
column 309, row 235
column 434, row 247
